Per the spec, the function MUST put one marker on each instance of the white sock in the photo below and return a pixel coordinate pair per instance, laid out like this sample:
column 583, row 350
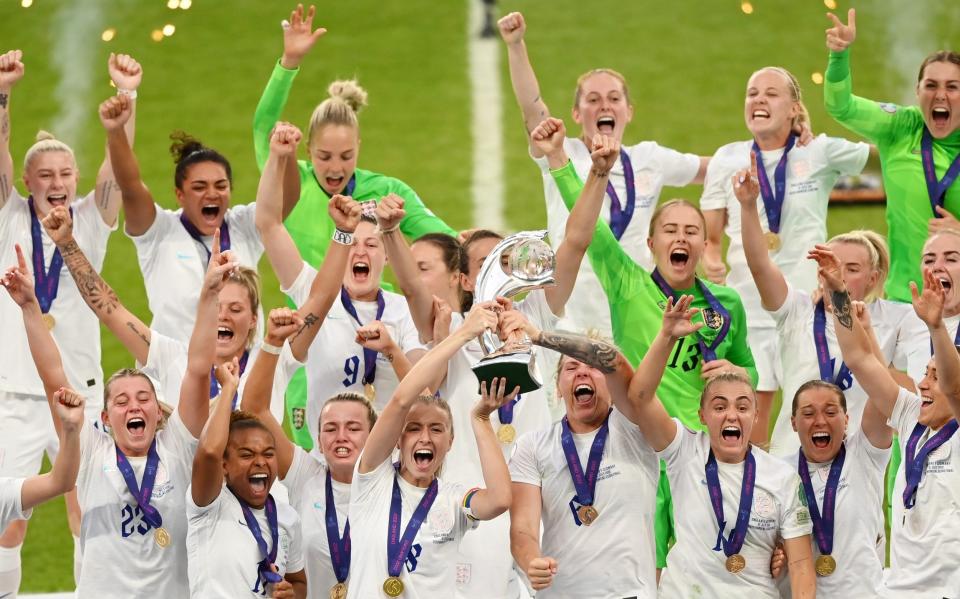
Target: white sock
column 10, row 571
column 77, row 560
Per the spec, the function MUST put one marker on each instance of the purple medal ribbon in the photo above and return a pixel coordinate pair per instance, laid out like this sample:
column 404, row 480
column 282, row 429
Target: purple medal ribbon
column 397, row 546
column 195, row 234
column 709, row 351
column 956, row 341
column 339, row 547
column 584, row 483
column 773, row 198
column 620, row 217
column 936, row 189
column 46, row 282
column 844, row 379
column 265, row 571
column 369, row 355
column 505, row 412
column 142, row 493
column 915, row 462
column 215, row 386
column 731, row 545
column 823, row 520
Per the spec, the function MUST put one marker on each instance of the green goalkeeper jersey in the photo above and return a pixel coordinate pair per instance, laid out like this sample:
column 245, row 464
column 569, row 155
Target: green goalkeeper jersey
column 309, row 224
column 636, row 311
column 896, row 131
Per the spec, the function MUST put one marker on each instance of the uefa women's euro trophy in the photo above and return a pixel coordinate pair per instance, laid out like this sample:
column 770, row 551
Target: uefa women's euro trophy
column 518, row 264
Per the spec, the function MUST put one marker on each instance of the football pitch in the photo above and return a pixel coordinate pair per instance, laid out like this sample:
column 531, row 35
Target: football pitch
column 687, row 62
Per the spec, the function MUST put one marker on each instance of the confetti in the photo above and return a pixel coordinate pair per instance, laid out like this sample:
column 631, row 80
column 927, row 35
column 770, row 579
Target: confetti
column 747, row 8
column 108, row 34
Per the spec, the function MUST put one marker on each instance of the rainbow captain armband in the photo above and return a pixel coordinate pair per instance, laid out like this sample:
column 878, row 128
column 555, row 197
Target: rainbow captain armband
column 467, row 498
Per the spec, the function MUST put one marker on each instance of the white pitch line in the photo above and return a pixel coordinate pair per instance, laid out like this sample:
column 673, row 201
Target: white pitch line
column 483, row 57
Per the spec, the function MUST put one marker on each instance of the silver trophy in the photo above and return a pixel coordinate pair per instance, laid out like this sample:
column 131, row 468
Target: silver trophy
column 518, row 264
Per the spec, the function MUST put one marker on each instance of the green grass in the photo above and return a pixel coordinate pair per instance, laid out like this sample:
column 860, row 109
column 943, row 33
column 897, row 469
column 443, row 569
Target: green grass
column 687, row 62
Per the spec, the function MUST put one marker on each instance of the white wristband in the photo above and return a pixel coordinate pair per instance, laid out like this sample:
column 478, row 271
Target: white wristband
column 130, row 93
column 270, row 349
column 343, row 237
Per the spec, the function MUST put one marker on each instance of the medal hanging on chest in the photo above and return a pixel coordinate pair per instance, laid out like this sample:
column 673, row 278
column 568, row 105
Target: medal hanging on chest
column 369, row 355
column 716, row 317
column 584, row 482
column 731, row 545
column 46, row 282
column 823, row 516
column 936, row 188
column 339, row 546
column 398, row 546
column 773, row 196
column 144, row 493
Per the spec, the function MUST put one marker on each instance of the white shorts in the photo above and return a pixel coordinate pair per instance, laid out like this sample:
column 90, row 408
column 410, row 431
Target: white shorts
column 26, row 432
column 765, row 345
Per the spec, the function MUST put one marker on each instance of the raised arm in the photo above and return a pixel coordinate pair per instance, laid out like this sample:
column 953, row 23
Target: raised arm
column 68, row 405
column 194, row 404
column 18, row 281
column 126, row 74
column 11, row 71
column 281, row 250
column 101, row 299
column 494, row 499
column 929, row 307
column 383, row 438
column 298, row 39
column 604, row 153
column 139, row 210
column 871, row 373
column 873, row 423
column 207, row 476
column 258, row 390
column 766, row 274
column 390, row 213
column 374, row 335
column 712, row 260
column 524, row 80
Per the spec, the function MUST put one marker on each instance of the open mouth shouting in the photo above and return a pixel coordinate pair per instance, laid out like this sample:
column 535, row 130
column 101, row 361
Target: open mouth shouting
column 423, row 458
column 224, row 334
column 55, row 200
column 945, row 282
column 342, row 451
column 760, row 114
column 606, row 125
column 136, row 426
column 679, row 257
column 259, row 483
column 940, row 115
column 209, row 212
column 333, row 183
column 731, row 434
column 361, row 271
column 820, row 439
column 926, row 401
column 583, row 394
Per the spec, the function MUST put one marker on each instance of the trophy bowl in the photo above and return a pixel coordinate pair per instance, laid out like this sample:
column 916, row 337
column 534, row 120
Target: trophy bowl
column 519, row 264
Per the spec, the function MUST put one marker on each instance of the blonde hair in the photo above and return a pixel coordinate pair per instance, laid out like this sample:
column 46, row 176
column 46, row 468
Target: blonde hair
column 346, row 99
column 877, row 252
column 46, row 142
column 249, row 279
column 727, row 377
column 348, row 396
column 603, row 71
column 125, row 373
column 794, row 86
column 670, row 204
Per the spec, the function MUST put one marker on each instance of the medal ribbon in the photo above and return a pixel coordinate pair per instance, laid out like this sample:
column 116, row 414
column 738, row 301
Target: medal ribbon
column 264, row 568
column 505, row 412
column 339, row 547
column 142, row 493
column 844, row 379
column 956, row 341
column 731, row 545
column 823, row 520
column 709, row 351
column 584, row 483
column 620, row 216
column 915, row 462
column 46, row 282
column 398, row 546
column 369, row 355
column 198, row 237
column 347, row 191
column 936, row 189
column 215, row 385
column 773, row 198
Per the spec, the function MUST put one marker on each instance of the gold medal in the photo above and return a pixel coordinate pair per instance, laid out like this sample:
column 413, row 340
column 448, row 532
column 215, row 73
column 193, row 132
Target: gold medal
column 338, row 591
column 736, row 563
column 161, row 537
column 825, row 565
column 50, row 321
column 587, row 514
column 506, row 434
column 370, row 391
column 393, row 586
column 773, row 241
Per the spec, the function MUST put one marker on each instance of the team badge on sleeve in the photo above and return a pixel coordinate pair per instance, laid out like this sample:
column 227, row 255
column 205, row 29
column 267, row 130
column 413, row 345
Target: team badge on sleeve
column 887, row 107
column 299, row 417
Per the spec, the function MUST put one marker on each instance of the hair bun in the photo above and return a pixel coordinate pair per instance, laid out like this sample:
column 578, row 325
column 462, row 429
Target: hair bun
column 45, row 135
column 350, row 92
column 183, row 145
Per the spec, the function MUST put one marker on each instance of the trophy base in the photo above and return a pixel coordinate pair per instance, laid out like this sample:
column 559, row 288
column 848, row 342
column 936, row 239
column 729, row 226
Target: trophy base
column 517, row 368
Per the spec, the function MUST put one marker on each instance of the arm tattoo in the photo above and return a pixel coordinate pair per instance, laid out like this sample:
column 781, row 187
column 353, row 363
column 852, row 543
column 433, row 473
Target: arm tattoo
column 4, row 190
column 95, row 291
column 5, row 127
column 597, row 354
column 841, row 308
column 134, row 326
column 308, row 321
column 4, row 98
column 106, row 190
